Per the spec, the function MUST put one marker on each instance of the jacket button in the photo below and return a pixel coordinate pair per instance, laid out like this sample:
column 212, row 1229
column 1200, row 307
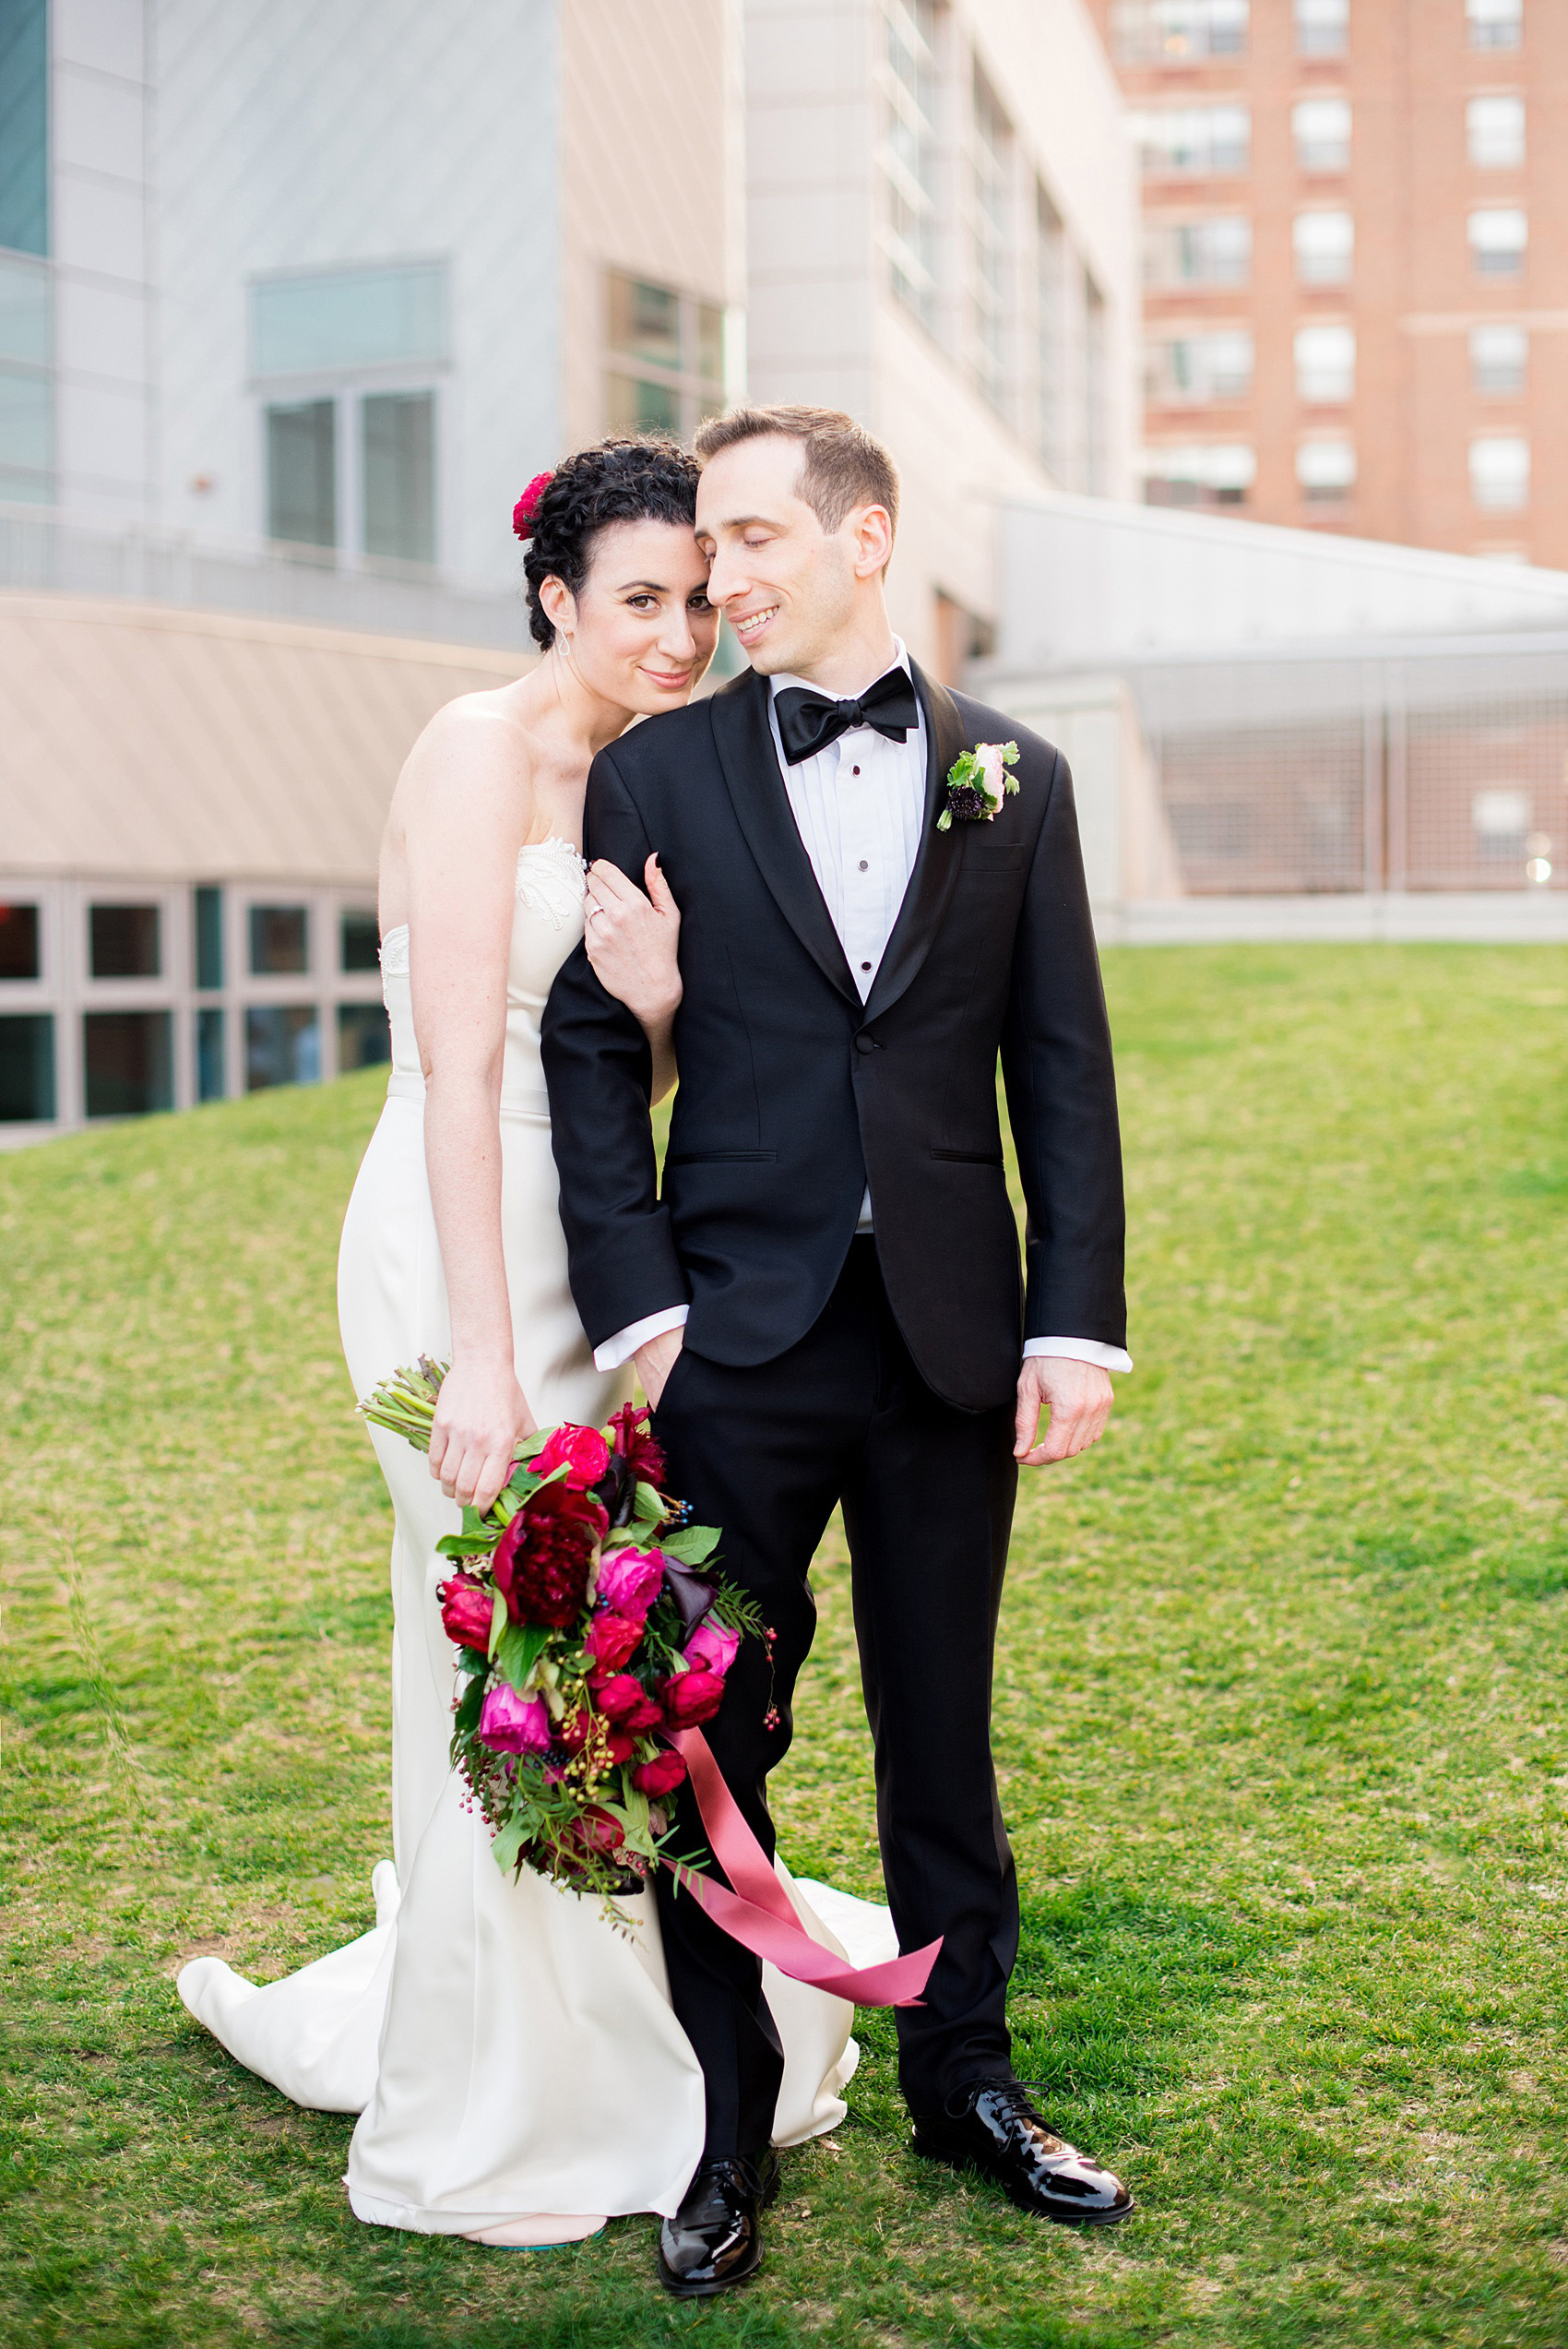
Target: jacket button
column 864, row 1043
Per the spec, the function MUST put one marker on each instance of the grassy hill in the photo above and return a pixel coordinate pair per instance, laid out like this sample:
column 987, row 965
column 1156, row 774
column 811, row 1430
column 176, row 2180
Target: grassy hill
column 1280, row 1719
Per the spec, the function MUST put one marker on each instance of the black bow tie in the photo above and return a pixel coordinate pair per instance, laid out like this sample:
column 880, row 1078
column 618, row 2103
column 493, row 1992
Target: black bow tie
column 809, row 721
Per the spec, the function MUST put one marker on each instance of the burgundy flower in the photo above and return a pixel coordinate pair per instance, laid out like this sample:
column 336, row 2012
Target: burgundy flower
column 612, row 1639
column 466, row 1610
column 691, row 1696
column 542, row 1559
column 623, row 1700
column 585, row 1451
column 526, row 506
column 597, row 1831
column 634, row 1443
column 661, row 1775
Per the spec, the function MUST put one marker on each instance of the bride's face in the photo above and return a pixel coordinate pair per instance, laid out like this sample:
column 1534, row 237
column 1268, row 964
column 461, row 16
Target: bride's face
column 642, row 629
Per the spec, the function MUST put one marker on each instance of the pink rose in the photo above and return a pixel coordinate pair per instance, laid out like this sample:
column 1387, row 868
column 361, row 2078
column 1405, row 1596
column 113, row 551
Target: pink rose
column 711, row 1648
column 691, row 1696
column 466, row 1610
column 513, row 1724
column 623, row 1700
column 611, row 1640
column 659, row 1776
column 631, row 1580
column 585, row 1451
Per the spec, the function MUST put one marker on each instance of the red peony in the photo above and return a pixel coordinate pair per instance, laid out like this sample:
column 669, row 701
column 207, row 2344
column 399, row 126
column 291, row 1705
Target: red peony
column 611, row 1639
column 466, row 1610
column 583, row 1449
column 691, row 1696
column 625, row 1701
column 543, row 1558
column 526, row 506
column 597, row 1831
column 661, row 1775
column 634, row 1443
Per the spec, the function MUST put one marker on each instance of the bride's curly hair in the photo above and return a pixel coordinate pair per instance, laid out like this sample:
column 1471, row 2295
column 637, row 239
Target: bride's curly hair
column 615, row 480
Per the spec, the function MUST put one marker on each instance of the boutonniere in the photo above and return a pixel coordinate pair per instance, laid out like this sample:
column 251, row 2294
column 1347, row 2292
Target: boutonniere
column 978, row 782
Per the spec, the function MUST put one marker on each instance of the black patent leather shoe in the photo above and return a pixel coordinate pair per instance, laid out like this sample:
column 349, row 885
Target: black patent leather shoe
column 993, row 2127
column 715, row 2238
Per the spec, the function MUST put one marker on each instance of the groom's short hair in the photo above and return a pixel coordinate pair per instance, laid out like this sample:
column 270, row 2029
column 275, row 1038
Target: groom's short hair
column 844, row 465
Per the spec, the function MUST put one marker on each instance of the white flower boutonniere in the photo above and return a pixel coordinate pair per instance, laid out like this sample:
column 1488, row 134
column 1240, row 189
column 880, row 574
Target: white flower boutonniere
column 978, row 782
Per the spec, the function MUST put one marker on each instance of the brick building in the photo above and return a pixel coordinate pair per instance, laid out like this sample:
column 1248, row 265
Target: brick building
column 1356, row 263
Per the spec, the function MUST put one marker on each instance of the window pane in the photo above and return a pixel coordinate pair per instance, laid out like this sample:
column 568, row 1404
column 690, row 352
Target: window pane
column 637, row 405
column 1213, row 252
column 211, row 1055
column 24, row 306
column 349, row 319
column 1498, row 242
column 124, row 942
column 710, row 345
column 301, row 474
column 645, row 321
column 1495, row 131
column 129, row 1061
column 1495, row 24
column 27, row 1067
column 209, row 937
column 363, row 1037
column 18, row 942
column 1499, row 358
column 1323, row 28
column 360, row 940
column 1191, row 368
column 1325, row 363
column 27, row 435
column 1499, row 473
column 1321, row 127
column 24, row 126
column 1325, row 246
column 908, row 155
column 280, row 941
column 1326, row 468
column 1202, row 474
column 282, row 1046
column 400, row 475
column 1155, row 31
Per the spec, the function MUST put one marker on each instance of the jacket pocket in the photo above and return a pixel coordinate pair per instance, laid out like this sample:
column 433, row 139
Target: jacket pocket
column 723, row 1157
column 971, row 1157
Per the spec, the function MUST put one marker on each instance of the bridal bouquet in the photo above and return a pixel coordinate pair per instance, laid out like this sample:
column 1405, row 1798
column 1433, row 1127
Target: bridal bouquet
column 586, row 1639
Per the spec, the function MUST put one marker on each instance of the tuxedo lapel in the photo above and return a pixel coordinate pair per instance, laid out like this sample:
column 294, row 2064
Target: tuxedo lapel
column 938, row 859
column 750, row 761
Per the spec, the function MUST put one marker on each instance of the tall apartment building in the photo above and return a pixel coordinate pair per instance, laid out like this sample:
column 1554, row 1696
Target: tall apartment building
column 941, row 237
column 1356, row 263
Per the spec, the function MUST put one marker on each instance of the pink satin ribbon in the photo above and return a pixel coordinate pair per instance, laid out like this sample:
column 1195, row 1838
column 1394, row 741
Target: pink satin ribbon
column 758, row 1913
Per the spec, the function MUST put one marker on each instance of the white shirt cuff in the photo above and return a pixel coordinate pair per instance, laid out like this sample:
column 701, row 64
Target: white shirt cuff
column 624, row 1344
column 1079, row 1350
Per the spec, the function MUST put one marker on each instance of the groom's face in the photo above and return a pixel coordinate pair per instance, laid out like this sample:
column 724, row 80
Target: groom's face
column 787, row 587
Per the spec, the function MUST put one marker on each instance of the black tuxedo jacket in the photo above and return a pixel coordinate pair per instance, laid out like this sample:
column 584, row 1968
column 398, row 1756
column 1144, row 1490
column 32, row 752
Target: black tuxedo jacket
column 793, row 1094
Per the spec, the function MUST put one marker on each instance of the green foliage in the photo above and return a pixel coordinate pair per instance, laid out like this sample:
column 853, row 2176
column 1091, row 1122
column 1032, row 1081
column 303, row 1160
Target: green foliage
column 1280, row 1721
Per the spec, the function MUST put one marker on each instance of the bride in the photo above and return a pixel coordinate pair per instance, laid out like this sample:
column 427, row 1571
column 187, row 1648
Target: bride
column 518, row 2069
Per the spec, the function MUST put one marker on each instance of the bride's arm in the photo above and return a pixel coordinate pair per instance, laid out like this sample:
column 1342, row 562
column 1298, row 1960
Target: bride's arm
column 464, row 818
column 633, row 943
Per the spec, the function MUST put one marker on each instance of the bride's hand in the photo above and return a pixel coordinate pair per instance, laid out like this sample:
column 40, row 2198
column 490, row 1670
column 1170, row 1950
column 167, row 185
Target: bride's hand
column 481, row 1417
column 633, row 940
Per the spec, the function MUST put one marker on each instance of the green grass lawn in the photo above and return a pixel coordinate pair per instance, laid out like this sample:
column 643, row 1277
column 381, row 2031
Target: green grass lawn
column 1281, row 1720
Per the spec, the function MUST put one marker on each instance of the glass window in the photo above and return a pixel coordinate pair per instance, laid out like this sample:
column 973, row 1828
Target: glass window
column 1321, row 127
column 645, row 321
column 208, row 937
column 1051, row 250
column 301, row 474
column 129, row 1062
column 1494, row 132
column 1153, row 32
column 398, row 431
column 280, row 941
column 1500, row 818
column 989, row 242
column 364, row 1040
column 346, row 319
column 1325, row 363
column 666, row 357
column 1324, row 247
column 1498, row 237
column 124, row 942
column 283, row 1045
column 1191, row 139
column 637, row 405
column 1211, row 251
column 908, row 155
column 1202, row 474
column 27, row 1067
column 1323, row 28
column 359, row 939
column 24, row 126
column 24, row 309
column 1495, row 24
column 1187, row 369
column 27, row 436
column 1500, row 358
column 1326, row 468
column 1500, row 473
column 211, row 1054
column 18, row 942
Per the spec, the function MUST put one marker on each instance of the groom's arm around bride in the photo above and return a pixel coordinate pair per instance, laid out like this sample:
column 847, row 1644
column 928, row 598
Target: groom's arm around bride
column 833, row 1264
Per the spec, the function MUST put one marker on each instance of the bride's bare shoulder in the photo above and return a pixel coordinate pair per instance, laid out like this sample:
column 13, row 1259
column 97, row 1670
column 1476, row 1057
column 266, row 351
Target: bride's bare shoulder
column 473, row 746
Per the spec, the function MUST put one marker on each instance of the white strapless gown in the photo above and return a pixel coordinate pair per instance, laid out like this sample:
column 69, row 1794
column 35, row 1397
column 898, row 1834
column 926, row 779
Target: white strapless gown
column 517, row 2070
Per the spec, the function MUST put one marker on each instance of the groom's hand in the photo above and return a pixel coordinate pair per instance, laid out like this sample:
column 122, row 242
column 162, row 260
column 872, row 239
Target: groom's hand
column 656, row 1361
column 1078, row 1397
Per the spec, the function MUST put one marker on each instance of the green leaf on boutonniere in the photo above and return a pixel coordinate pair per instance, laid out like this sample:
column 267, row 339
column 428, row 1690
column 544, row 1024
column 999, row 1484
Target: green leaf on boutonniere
column 977, row 784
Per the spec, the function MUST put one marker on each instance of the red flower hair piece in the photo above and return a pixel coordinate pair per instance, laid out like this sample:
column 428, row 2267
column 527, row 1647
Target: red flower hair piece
column 526, row 506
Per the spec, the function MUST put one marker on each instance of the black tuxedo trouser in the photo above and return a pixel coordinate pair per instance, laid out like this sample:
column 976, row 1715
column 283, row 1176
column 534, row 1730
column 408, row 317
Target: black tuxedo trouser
column 928, row 1494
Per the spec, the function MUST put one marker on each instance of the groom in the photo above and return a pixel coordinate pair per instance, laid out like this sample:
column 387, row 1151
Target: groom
column 825, row 1305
